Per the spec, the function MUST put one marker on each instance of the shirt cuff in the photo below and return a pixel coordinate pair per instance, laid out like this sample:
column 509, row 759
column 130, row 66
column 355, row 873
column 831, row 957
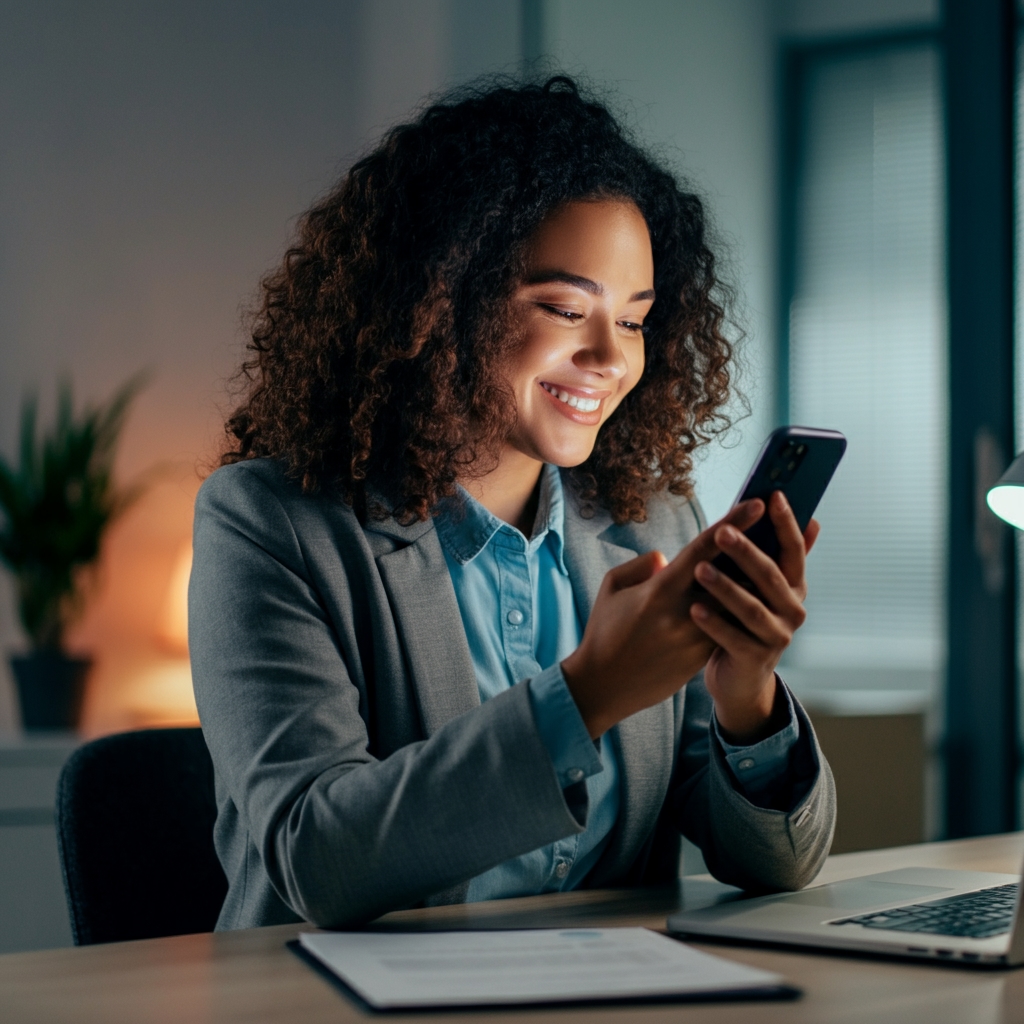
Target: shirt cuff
column 759, row 766
column 573, row 753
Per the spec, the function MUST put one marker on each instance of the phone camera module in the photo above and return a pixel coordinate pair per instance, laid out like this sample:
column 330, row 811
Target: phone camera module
column 787, row 462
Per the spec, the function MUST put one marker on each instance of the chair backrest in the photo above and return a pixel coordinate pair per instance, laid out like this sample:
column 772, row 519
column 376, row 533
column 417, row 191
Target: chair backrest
column 135, row 815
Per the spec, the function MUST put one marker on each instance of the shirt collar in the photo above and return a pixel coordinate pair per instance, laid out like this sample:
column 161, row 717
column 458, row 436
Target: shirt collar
column 465, row 527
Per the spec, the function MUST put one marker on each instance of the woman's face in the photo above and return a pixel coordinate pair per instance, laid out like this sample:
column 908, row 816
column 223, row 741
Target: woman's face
column 588, row 286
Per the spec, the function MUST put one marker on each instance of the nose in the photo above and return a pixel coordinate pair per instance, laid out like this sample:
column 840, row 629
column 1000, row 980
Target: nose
column 600, row 350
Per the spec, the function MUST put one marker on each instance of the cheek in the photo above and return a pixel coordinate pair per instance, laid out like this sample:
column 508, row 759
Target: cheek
column 541, row 351
column 636, row 360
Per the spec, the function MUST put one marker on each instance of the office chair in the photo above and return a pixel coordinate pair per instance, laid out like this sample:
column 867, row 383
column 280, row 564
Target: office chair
column 135, row 816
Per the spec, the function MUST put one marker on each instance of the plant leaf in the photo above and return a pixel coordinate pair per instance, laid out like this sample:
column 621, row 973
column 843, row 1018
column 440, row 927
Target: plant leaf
column 55, row 508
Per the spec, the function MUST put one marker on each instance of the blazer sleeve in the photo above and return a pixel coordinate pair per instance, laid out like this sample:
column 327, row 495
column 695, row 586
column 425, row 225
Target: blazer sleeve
column 780, row 847
column 342, row 835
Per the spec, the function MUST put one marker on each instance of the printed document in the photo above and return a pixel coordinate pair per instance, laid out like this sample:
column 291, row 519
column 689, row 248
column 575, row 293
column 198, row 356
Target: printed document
column 431, row 969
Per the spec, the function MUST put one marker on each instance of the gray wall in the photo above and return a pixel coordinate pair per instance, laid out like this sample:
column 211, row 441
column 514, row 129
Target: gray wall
column 155, row 157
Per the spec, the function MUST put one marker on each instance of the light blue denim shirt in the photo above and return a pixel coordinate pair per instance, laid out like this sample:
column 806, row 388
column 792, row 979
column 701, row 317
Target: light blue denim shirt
column 521, row 621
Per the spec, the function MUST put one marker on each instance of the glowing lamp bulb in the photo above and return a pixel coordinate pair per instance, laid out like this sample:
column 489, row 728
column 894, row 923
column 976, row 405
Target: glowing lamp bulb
column 1006, row 498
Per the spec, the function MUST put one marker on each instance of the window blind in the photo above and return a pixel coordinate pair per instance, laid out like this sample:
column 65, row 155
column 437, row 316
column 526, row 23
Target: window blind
column 867, row 343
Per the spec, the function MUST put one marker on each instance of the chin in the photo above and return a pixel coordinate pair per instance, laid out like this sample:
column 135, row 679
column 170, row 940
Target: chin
column 560, row 448
column 567, row 459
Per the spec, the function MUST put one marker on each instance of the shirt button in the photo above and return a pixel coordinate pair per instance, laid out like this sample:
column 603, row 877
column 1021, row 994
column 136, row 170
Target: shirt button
column 515, row 617
column 747, row 762
column 561, row 869
column 575, row 774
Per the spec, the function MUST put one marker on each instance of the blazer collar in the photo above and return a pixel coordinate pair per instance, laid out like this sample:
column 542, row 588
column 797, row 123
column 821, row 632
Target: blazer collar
column 389, row 526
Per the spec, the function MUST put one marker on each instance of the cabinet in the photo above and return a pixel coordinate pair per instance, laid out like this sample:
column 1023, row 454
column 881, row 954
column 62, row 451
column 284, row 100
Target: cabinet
column 33, row 912
column 880, row 764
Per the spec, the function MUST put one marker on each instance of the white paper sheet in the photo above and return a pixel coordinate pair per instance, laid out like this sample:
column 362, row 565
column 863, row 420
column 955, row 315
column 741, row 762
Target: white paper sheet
column 395, row 970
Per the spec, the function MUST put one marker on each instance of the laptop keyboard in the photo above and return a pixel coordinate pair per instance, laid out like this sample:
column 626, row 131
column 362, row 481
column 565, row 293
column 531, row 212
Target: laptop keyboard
column 975, row 915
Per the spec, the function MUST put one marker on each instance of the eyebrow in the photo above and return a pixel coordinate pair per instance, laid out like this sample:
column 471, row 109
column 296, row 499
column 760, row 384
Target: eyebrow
column 583, row 283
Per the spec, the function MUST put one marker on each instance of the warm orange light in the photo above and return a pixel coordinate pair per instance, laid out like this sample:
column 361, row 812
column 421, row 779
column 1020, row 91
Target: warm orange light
column 173, row 632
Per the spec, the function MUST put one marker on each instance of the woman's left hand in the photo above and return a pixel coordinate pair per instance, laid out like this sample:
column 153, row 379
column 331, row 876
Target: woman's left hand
column 740, row 675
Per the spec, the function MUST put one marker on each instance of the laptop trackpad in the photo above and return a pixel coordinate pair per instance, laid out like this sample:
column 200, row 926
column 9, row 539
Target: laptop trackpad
column 860, row 893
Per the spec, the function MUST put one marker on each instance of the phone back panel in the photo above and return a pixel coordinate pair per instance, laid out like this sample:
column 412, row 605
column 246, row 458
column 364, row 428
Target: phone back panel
column 800, row 462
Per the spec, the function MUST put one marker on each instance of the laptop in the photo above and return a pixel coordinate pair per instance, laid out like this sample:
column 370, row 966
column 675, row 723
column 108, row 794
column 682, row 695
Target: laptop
column 970, row 917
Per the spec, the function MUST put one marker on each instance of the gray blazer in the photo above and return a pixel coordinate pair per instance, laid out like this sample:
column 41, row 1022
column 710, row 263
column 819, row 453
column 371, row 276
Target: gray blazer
column 357, row 771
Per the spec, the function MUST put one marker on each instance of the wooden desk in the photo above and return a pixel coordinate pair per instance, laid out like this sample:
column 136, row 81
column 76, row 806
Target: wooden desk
column 250, row 976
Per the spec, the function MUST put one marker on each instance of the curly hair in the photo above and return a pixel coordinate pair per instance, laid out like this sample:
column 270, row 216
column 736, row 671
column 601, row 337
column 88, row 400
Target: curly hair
column 377, row 347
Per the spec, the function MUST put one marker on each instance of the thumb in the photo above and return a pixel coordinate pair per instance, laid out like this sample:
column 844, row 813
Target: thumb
column 635, row 571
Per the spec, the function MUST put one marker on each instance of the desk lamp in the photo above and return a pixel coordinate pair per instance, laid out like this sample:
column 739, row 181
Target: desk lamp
column 1006, row 498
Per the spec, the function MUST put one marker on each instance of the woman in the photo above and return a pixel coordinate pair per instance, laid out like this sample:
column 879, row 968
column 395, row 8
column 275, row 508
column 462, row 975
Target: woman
column 438, row 648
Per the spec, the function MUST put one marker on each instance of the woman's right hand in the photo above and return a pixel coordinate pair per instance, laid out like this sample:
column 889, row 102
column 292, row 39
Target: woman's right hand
column 641, row 645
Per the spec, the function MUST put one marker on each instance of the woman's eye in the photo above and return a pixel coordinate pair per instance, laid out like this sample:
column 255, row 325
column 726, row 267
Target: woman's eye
column 564, row 314
column 630, row 326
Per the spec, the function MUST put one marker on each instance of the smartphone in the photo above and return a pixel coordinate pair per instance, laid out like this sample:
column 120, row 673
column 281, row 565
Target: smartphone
column 799, row 461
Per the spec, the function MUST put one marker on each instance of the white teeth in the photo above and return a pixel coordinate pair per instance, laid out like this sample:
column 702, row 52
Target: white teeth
column 583, row 404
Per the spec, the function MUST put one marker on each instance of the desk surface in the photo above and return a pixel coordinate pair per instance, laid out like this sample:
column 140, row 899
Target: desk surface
column 250, row 976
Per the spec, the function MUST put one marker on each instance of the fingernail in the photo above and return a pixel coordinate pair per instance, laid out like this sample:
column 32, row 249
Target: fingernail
column 728, row 535
column 780, row 501
column 699, row 611
column 706, row 572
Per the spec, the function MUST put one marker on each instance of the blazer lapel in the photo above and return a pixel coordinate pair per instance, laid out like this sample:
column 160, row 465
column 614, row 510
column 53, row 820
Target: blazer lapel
column 646, row 740
column 419, row 588
column 588, row 556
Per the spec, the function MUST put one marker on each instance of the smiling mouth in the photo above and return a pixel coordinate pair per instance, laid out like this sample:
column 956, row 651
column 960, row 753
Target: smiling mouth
column 573, row 401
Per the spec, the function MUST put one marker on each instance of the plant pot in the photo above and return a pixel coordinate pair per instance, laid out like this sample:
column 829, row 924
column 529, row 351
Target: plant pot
column 50, row 689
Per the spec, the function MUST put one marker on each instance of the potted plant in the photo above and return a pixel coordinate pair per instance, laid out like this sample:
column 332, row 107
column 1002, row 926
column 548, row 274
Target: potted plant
column 55, row 507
